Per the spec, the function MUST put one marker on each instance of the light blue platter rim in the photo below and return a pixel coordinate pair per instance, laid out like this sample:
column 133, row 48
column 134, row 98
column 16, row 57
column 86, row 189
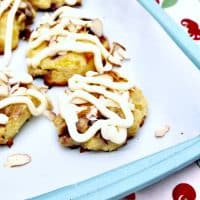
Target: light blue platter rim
column 131, row 177
column 139, row 174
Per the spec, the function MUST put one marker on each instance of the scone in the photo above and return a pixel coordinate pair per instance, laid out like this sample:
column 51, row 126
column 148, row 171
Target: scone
column 64, row 45
column 53, row 4
column 15, row 16
column 19, row 101
column 100, row 112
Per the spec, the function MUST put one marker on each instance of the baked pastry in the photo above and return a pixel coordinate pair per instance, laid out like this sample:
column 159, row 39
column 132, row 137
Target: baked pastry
column 64, row 45
column 15, row 16
column 53, row 4
column 19, row 100
column 100, row 112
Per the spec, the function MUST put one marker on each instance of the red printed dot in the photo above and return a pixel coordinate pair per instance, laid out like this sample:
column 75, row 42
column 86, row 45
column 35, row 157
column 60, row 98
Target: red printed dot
column 158, row 1
column 184, row 191
column 130, row 197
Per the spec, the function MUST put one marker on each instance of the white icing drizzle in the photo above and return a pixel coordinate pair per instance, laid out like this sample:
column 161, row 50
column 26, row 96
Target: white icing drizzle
column 27, row 100
column 114, row 128
column 81, row 82
column 64, row 33
column 16, row 94
column 9, row 27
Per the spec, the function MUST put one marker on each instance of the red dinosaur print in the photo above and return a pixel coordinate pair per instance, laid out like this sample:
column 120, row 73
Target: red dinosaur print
column 184, row 191
column 193, row 28
column 130, row 197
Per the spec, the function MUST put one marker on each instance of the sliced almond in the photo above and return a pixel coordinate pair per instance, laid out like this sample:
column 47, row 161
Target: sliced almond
column 20, row 91
column 92, row 115
column 50, row 115
column 13, row 81
column 71, row 27
column 116, row 76
column 43, row 89
column 23, row 5
column 82, row 125
column 115, row 46
column 113, row 61
column 162, row 131
column 14, row 88
column 3, row 77
column 118, row 51
column 17, row 160
column 97, row 27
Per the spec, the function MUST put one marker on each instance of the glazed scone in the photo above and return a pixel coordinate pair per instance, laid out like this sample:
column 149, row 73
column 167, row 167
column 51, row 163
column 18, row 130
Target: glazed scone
column 15, row 16
column 64, row 45
column 53, row 4
column 100, row 112
column 19, row 101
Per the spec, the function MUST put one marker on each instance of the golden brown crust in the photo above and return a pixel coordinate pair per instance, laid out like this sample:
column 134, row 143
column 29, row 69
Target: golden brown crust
column 97, row 143
column 23, row 18
column 18, row 114
column 58, row 69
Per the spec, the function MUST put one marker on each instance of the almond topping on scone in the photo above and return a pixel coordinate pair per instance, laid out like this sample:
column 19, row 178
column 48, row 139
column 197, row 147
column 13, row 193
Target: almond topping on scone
column 15, row 16
column 19, row 100
column 65, row 43
column 99, row 112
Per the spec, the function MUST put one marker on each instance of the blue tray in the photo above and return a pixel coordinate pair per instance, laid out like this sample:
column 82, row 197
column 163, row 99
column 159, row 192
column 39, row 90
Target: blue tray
column 137, row 175
column 129, row 178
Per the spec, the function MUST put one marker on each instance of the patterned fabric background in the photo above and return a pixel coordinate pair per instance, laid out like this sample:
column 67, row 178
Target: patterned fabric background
column 186, row 13
column 185, row 185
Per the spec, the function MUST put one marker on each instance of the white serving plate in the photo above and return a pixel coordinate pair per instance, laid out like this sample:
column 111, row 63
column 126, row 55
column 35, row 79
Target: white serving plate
column 167, row 77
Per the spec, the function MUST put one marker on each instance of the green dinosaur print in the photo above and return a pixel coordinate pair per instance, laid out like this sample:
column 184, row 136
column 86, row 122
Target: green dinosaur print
column 168, row 3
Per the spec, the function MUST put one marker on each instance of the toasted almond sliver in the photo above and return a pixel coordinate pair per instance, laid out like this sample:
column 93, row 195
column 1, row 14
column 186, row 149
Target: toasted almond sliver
column 43, row 89
column 113, row 61
column 14, row 88
column 162, row 131
column 119, row 51
column 97, row 27
column 50, row 115
column 3, row 77
column 20, row 91
column 22, row 5
column 17, row 160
